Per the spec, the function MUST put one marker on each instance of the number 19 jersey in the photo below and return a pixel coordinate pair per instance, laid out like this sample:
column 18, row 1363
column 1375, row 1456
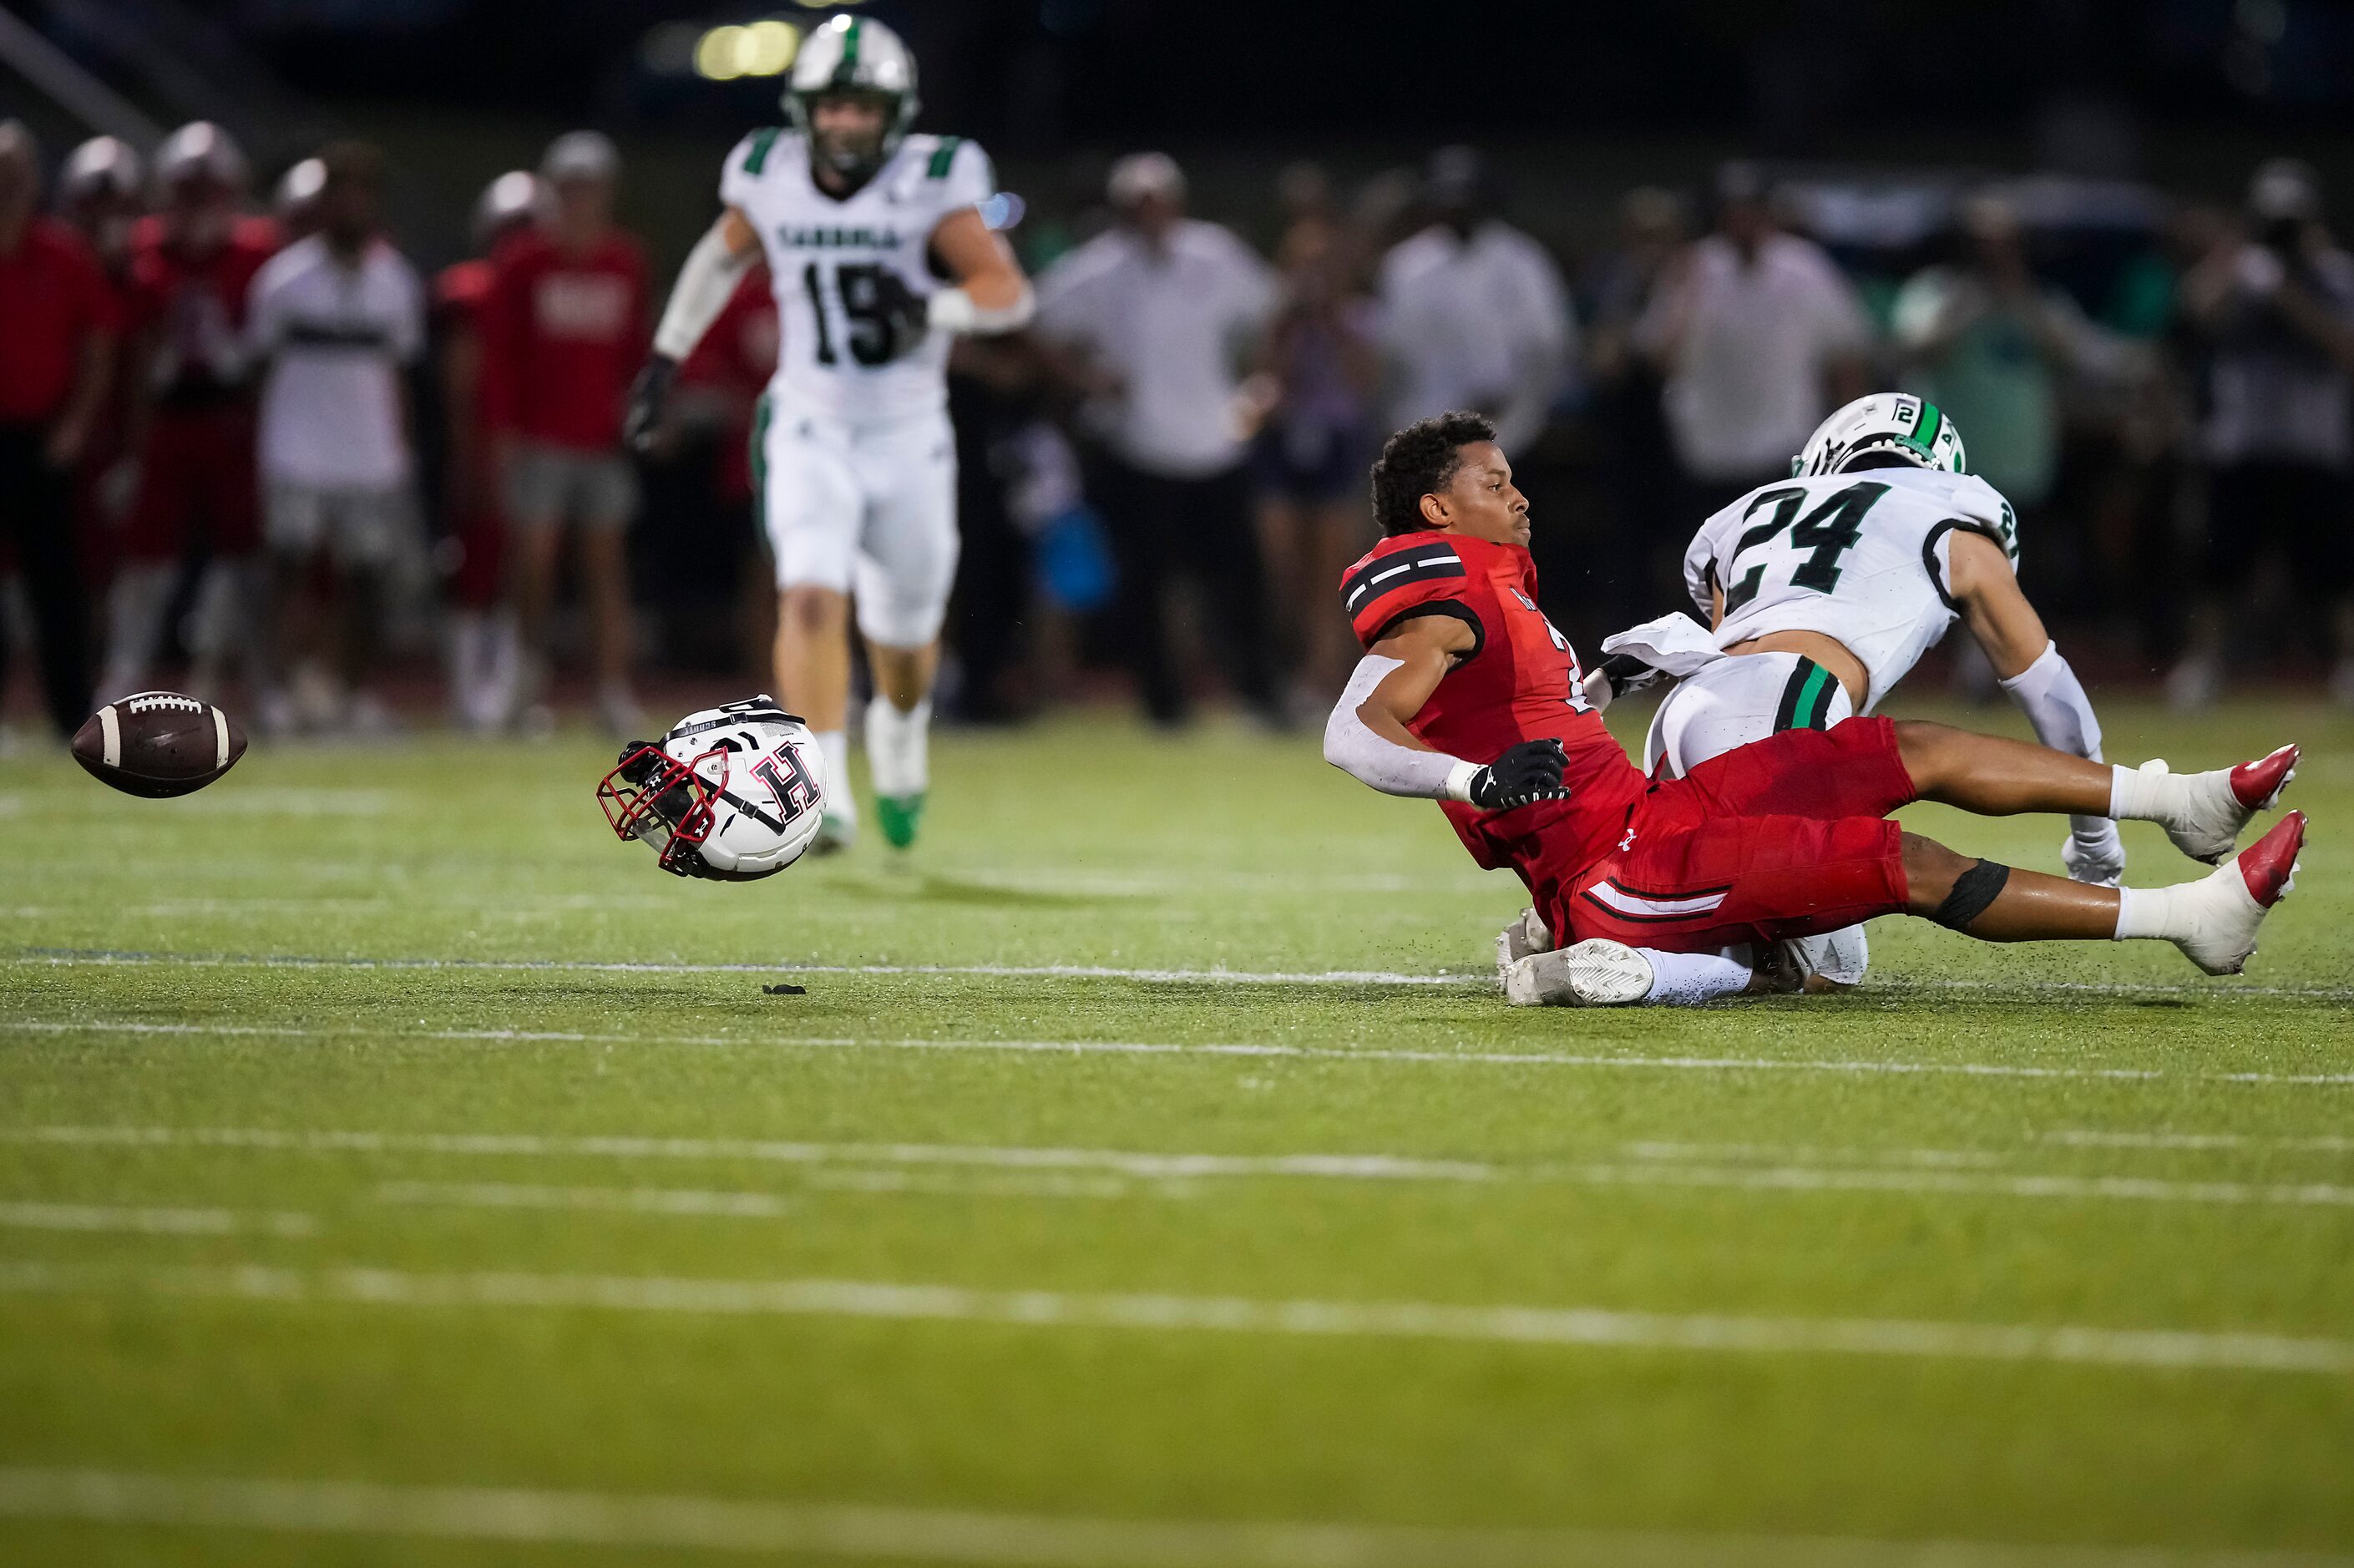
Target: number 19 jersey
column 824, row 254
column 1859, row 558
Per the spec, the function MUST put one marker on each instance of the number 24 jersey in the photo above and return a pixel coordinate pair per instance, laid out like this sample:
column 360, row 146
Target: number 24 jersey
column 1862, row 557
column 825, row 255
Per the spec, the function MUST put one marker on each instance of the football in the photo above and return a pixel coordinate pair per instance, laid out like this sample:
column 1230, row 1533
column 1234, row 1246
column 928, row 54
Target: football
column 158, row 743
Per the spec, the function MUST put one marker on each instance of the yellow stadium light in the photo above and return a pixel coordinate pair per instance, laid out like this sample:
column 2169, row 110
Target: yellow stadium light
column 823, row 5
column 718, row 54
column 769, row 48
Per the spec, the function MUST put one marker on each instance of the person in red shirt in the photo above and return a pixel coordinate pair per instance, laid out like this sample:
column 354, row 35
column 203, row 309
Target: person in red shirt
column 191, row 420
column 58, row 330
column 482, row 647
column 100, row 194
column 563, row 330
column 719, row 387
column 1468, row 695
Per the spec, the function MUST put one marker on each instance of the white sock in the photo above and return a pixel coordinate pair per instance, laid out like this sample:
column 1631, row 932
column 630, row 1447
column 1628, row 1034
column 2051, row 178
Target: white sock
column 834, row 744
column 135, row 627
column 2152, row 912
column 2135, row 796
column 1684, row 979
column 2151, row 794
column 898, row 748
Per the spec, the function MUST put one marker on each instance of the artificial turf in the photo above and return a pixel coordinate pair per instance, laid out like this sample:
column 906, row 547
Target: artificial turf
column 374, row 1117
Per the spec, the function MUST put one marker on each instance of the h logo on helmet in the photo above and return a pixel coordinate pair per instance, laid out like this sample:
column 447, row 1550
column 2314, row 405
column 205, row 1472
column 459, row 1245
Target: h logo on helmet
column 788, row 780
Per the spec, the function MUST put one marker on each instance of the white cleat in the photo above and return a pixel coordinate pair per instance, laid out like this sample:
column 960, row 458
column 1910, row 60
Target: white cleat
column 2227, row 907
column 1596, row 972
column 1527, row 934
column 1834, row 961
column 2219, row 804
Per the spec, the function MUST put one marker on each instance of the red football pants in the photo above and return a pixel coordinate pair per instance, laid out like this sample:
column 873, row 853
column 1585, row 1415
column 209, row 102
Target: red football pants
column 196, row 482
column 1781, row 838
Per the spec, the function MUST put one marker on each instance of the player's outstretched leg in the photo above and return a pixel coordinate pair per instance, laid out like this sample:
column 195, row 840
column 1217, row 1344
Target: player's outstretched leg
column 814, row 676
column 2213, row 920
column 898, row 736
column 1599, row 972
column 2201, row 812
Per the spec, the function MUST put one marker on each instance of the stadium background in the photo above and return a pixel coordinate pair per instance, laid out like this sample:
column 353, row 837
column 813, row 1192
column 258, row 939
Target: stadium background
column 396, row 1169
column 2130, row 124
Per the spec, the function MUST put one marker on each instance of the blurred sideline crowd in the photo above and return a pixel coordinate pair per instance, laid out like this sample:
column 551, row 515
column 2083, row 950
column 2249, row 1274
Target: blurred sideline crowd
column 246, row 441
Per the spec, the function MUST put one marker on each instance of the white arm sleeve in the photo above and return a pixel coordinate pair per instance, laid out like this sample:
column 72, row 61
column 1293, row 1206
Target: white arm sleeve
column 1392, row 769
column 702, row 291
column 2048, row 692
column 2053, row 699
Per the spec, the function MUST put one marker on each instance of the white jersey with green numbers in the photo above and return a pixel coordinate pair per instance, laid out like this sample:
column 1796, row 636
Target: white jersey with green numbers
column 1861, row 557
column 823, row 254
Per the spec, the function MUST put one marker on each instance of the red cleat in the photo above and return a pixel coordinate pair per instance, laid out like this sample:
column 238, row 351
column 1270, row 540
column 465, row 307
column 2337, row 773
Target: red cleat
column 2257, row 785
column 2269, row 865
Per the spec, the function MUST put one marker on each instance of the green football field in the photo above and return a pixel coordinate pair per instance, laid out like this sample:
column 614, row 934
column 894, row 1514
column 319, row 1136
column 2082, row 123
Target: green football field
column 395, row 1169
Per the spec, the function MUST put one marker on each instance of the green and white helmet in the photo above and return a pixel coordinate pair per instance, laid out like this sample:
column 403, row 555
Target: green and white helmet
column 853, row 54
column 1895, row 423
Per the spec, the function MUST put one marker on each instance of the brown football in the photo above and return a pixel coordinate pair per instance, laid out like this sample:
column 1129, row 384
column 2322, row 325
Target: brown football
column 157, row 744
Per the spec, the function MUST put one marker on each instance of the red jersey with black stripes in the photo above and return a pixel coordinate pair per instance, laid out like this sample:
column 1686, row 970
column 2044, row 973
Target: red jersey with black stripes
column 1521, row 680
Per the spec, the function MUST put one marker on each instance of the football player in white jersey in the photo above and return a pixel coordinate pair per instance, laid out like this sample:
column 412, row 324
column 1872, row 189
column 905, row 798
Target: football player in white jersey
column 859, row 221
column 1822, row 592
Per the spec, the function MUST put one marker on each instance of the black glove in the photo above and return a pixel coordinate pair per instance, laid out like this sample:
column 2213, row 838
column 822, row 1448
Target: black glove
column 880, row 294
column 647, row 395
column 1627, row 674
column 1529, row 772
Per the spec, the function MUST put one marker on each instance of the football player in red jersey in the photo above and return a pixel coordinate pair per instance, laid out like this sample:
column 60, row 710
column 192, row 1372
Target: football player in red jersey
column 191, row 422
column 1468, row 695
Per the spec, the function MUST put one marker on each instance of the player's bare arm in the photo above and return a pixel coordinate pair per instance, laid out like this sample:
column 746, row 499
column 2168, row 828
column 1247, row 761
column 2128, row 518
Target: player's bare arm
column 988, row 278
column 2039, row 679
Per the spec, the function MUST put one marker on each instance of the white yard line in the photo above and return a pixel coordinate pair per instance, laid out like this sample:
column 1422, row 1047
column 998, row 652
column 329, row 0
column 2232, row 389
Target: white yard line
column 625, row 1200
column 675, row 1523
column 1554, row 1326
column 2078, row 1138
column 36, row 1217
column 1141, row 1165
column 1481, row 979
column 1062, row 1173
column 1165, row 1048
column 1033, row 971
column 1800, row 1178
column 701, row 1202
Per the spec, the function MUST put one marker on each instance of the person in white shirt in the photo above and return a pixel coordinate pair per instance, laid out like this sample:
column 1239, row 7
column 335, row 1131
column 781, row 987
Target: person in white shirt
column 1473, row 312
column 1163, row 311
column 1758, row 337
column 337, row 317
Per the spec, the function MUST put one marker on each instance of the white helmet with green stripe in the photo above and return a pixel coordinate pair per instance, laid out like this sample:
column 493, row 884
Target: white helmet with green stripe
column 1906, row 428
column 853, row 55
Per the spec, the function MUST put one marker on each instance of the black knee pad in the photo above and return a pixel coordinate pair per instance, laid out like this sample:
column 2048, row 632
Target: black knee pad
column 1972, row 891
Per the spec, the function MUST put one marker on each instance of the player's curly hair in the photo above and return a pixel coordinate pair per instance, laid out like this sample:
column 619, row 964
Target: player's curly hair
column 1421, row 459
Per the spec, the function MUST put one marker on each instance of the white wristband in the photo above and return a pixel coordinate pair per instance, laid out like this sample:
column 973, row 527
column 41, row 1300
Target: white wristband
column 1459, row 782
column 953, row 309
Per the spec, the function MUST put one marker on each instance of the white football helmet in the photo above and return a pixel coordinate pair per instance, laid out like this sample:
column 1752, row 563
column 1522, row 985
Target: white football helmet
column 200, row 150
column 1893, row 422
column 101, row 166
column 734, row 792
column 853, row 54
